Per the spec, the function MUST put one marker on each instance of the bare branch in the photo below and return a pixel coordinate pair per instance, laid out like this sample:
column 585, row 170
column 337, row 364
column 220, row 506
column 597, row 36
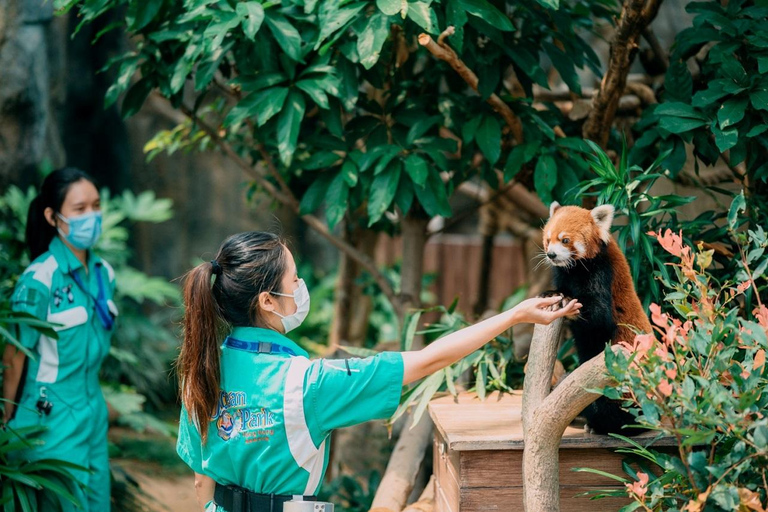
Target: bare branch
column 636, row 15
column 442, row 51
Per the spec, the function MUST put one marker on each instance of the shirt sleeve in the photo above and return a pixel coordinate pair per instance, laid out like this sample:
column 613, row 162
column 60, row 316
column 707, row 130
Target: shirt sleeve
column 345, row 392
column 30, row 297
column 189, row 445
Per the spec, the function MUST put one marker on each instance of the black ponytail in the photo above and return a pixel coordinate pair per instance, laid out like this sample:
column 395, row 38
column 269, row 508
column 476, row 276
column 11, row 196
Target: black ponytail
column 52, row 195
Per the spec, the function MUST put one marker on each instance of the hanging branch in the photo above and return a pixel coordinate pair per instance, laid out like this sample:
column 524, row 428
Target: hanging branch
column 636, row 15
column 442, row 51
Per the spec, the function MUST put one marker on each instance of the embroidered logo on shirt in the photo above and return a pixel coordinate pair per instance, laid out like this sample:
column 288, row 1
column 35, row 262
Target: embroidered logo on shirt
column 233, row 418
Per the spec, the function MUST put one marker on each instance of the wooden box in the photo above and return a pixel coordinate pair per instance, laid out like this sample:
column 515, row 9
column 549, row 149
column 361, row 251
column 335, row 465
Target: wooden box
column 478, row 454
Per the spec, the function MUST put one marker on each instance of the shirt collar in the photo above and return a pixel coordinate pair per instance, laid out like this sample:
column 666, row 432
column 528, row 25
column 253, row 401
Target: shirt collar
column 266, row 335
column 66, row 259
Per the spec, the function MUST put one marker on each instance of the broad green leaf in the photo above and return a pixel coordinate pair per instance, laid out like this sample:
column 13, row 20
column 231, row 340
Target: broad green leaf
column 314, row 91
column 725, row 139
column 134, row 98
column 469, row 129
column 315, row 194
column 184, row 66
column 383, row 191
column 738, row 205
column 680, row 124
column 332, row 18
column 545, row 177
column 731, row 112
column 433, row 196
column 488, row 13
column 141, row 13
column 336, row 200
column 417, row 168
column 349, row 171
column 551, row 4
column 757, row 130
column 519, row 156
column 390, row 7
column 127, row 70
column 288, row 126
column 207, row 68
column 678, row 83
column 488, row 137
column 421, row 127
column 759, row 99
column 262, row 104
column 678, row 109
column 564, row 65
column 285, row 34
column 423, row 15
column 372, row 38
column 252, row 16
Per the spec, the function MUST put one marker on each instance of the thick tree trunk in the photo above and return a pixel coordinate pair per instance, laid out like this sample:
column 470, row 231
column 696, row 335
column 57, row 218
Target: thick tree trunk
column 414, row 233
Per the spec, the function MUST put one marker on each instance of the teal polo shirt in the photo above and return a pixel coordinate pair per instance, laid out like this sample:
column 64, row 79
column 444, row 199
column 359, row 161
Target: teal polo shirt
column 48, row 291
column 270, row 430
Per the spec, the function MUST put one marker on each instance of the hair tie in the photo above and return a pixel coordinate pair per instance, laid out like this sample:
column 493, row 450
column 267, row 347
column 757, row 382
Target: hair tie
column 216, row 267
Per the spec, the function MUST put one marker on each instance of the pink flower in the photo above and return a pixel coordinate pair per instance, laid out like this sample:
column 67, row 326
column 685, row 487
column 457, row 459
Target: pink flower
column 639, row 488
column 665, row 388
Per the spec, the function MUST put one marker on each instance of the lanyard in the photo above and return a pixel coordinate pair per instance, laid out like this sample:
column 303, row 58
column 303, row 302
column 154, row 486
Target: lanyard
column 261, row 347
column 102, row 309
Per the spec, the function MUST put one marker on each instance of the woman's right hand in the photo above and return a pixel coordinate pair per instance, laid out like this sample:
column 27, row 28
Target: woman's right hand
column 537, row 310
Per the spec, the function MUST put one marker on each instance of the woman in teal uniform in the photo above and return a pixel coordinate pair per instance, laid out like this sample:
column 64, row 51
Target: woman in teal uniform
column 257, row 413
column 68, row 285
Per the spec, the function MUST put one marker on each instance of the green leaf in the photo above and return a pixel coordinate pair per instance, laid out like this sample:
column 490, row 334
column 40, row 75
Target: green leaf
column 332, row 18
column 313, row 197
column 725, row 139
column 762, row 65
column 262, row 104
column 489, row 138
column 738, row 205
column 417, row 168
column 680, row 124
column 252, row 16
column 390, row 7
column 757, row 130
column 207, row 68
column 141, row 13
column 349, row 171
column 314, row 91
column 423, row 15
column 731, row 112
column 469, row 129
column 433, row 196
column 409, row 330
column 421, row 127
column 285, row 34
column 520, row 155
column 488, row 13
column 678, row 109
column 288, row 125
column 336, row 200
column 545, row 177
column 759, row 99
column 550, row 4
column 135, row 97
column 564, row 65
column 678, row 83
column 383, row 191
column 127, row 70
column 372, row 38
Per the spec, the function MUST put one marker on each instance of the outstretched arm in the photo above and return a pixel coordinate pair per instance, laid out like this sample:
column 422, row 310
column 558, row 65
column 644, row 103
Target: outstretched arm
column 453, row 347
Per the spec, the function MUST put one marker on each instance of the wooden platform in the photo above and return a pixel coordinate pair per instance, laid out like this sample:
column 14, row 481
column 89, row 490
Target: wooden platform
column 478, row 453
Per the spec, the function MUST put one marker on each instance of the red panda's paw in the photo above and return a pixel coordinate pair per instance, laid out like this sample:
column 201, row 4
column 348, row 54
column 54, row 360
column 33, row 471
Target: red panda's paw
column 589, row 430
column 558, row 305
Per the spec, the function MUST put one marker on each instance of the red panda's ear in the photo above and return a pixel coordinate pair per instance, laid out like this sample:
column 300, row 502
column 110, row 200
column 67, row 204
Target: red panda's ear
column 553, row 208
column 603, row 216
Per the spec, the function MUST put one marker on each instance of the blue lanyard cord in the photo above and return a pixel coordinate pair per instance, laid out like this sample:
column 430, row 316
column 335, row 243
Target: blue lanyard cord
column 260, row 347
column 102, row 309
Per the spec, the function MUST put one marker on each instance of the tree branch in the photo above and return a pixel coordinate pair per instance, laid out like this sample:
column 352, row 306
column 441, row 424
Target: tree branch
column 442, row 51
column 290, row 201
column 636, row 15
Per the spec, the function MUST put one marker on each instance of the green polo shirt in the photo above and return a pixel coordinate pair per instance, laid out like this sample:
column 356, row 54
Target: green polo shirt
column 48, row 291
column 270, row 430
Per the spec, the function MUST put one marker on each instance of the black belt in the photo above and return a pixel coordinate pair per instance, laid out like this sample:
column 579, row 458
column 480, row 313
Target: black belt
column 237, row 499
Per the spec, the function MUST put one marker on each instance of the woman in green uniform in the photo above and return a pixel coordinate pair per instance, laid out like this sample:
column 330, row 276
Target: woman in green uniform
column 68, row 285
column 257, row 413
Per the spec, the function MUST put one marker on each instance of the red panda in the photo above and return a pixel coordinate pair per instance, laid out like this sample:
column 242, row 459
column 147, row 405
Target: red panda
column 588, row 265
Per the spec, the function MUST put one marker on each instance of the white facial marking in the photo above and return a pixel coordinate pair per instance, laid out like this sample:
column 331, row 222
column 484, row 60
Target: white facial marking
column 580, row 248
column 562, row 254
column 561, row 235
column 549, row 234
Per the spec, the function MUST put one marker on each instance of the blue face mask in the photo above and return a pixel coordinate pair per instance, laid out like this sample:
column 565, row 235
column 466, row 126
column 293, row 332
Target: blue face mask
column 84, row 230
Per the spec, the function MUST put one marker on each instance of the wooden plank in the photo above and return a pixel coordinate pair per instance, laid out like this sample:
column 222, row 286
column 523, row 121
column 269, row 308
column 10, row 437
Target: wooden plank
column 446, row 476
column 511, row 499
column 496, row 424
column 505, row 467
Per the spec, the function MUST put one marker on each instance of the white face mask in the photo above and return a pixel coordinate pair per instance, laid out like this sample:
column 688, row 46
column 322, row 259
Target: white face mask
column 301, row 298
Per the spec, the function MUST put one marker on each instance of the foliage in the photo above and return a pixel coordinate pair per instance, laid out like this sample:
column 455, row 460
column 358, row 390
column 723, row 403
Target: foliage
column 701, row 377
column 351, row 111
column 722, row 108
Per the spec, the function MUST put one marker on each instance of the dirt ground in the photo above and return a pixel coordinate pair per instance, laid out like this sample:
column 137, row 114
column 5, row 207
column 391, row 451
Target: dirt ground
column 162, row 492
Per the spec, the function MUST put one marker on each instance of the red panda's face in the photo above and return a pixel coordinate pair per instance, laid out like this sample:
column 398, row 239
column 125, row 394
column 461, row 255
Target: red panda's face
column 573, row 233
